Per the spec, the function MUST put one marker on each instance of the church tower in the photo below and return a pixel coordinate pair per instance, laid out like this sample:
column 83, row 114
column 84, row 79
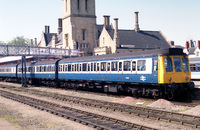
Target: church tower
column 79, row 25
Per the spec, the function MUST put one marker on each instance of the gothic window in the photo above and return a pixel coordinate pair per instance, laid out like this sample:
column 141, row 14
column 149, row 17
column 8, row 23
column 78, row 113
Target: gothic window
column 78, row 4
column 66, row 39
column 86, row 4
column 84, row 31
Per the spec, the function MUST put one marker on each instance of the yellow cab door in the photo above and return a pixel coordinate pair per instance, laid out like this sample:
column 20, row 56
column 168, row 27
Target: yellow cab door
column 173, row 69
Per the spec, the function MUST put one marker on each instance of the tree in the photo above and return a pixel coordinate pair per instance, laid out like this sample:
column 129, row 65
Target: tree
column 19, row 41
column 2, row 43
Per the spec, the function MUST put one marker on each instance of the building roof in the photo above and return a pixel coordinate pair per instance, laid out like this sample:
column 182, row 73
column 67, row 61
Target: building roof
column 48, row 37
column 141, row 39
column 60, row 40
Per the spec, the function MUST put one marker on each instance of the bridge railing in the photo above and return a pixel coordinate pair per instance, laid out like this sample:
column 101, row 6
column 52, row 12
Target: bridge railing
column 8, row 50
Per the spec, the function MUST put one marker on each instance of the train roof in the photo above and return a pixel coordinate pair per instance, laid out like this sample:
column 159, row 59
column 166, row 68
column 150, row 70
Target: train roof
column 155, row 52
column 8, row 65
column 194, row 59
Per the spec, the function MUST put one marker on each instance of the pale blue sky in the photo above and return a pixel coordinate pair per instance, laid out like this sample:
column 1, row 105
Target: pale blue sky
column 177, row 19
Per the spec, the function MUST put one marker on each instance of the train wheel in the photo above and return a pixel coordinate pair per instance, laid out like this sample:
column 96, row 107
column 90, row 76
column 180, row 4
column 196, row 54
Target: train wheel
column 135, row 93
column 171, row 94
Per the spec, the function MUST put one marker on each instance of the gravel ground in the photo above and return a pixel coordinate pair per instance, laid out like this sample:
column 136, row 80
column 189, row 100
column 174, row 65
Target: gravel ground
column 35, row 119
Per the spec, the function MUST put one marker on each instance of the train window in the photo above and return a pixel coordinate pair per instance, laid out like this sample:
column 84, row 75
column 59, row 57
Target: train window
column 141, row 65
column 63, row 66
column 98, row 66
column 155, row 65
column 127, row 65
column 193, row 67
column 69, row 67
column 114, row 66
column 84, row 67
column 89, row 66
column 92, row 66
column 54, row 68
column 95, row 66
column 185, row 65
column 177, row 63
column 103, row 66
column 120, row 66
column 73, row 67
column 133, row 65
column 45, row 68
column 40, row 68
column 108, row 66
column 168, row 65
column 80, row 67
column 198, row 67
column 66, row 67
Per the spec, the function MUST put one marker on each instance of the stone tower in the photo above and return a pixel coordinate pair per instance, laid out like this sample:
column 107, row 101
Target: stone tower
column 79, row 25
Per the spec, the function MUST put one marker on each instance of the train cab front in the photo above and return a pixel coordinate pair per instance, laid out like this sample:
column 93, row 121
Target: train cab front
column 174, row 74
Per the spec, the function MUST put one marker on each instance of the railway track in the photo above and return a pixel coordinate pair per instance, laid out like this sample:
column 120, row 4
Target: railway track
column 177, row 118
column 83, row 117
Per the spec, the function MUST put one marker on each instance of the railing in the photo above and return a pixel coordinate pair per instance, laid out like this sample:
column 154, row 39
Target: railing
column 8, row 50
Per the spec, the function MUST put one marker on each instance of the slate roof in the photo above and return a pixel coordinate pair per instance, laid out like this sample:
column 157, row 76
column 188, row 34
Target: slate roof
column 60, row 40
column 141, row 39
column 191, row 50
column 48, row 37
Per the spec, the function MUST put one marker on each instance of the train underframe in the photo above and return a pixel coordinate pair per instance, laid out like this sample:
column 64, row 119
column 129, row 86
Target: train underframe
column 166, row 91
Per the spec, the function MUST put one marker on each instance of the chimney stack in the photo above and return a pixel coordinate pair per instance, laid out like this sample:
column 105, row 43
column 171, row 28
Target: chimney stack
column 136, row 22
column 47, row 30
column 171, row 43
column 31, row 42
column 116, row 28
column 198, row 44
column 106, row 21
column 59, row 25
column 35, row 41
column 187, row 45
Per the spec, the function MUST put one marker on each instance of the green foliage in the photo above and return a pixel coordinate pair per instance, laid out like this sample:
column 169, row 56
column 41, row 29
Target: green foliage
column 19, row 41
column 2, row 43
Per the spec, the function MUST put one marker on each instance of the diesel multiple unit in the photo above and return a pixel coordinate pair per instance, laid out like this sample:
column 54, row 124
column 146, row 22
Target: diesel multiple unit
column 157, row 73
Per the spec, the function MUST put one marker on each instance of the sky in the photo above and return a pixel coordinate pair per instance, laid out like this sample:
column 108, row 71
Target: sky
column 178, row 20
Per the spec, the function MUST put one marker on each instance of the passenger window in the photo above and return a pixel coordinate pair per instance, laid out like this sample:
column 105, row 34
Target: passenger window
column 69, row 67
column 84, row 67
column 155, row 65
column 88, row 66
column 95, row 66
column 98, row 66
column 66, row 67
column 141, row 66
column 103, row 66
column 127, row 65
column 198, row 67
column 108, row 66
column 114, row 66
column 92, row 66
column 80, row 67
column 177, row 64
column 185, row 65
column 133, row 65
column 73, row 68
column 120, row 66
column 168, row 65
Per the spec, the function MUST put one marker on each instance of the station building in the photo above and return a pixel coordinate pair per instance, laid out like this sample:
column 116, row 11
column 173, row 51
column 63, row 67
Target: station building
column 77, row 29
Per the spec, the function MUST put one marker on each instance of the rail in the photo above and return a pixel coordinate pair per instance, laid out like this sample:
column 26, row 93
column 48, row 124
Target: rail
column 9, row 50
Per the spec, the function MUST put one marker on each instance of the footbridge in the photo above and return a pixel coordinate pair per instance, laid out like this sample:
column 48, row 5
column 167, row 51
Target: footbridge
column 9, row 50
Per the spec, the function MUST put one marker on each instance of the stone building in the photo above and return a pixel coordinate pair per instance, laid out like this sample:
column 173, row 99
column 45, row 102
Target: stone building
column 78, row 30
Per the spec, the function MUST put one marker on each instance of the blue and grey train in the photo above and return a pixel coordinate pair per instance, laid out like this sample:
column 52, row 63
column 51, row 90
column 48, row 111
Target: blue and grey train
column 195, row 68
column 157, row 73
